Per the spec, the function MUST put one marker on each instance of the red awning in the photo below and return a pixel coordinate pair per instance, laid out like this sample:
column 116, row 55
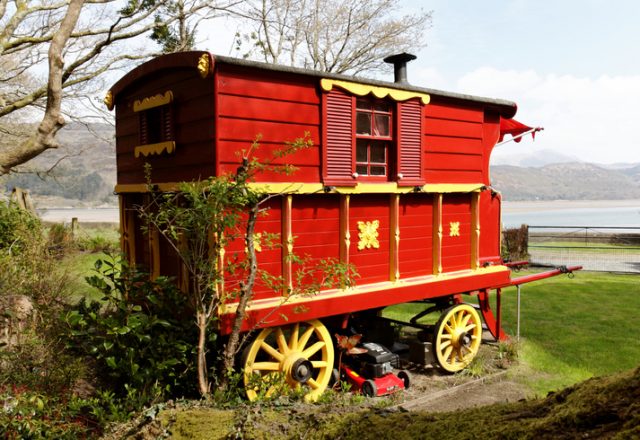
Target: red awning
column 516, row 129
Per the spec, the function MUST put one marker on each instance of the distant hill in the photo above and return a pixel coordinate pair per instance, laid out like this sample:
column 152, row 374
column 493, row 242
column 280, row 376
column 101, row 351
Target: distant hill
column 84, row 172
column 88, row 178
column 566, row 181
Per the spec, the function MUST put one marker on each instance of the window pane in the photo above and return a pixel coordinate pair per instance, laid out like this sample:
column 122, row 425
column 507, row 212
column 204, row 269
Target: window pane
column 378, row 171
column 378, row 153
column 382, row 125
column 361, row 150
column 363, row 123
column 361, row 169
column 381, row 107
column 363, row 103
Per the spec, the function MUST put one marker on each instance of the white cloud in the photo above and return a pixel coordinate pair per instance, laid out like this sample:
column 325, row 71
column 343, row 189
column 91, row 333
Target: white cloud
column 596, row 120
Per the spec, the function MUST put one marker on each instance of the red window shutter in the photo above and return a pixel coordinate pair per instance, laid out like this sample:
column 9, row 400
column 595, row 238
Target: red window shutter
column 410, row 143
column 338, row 148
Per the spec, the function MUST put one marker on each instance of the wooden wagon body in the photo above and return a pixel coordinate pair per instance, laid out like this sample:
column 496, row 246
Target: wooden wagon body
column 396, row 183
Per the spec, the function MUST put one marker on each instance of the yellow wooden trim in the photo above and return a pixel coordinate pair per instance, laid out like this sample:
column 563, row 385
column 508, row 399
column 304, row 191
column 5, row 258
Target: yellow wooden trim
column 394, row 239
column 316, row 188
column 151, row 149
column 475, row 231
column 379, row 92
column 273, row 303
column 153, row 101
column 123, row 224
column 437, row 234
column 287, row 243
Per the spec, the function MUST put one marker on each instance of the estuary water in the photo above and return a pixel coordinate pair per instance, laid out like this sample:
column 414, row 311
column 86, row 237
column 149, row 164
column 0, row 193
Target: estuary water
column 542, row 213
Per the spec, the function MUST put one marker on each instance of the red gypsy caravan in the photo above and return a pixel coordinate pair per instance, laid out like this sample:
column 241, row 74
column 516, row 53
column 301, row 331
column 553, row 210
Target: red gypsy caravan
column 396, row 184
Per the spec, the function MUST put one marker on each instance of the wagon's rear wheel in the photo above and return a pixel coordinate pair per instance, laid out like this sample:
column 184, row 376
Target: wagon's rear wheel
column 457, row 337
column 293, row 356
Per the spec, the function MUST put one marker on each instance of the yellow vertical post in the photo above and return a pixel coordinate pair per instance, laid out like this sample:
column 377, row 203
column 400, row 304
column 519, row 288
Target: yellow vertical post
column 437, row 234
column 475, row 230
column 287, row 243
column 345, row 235
column 394, row 239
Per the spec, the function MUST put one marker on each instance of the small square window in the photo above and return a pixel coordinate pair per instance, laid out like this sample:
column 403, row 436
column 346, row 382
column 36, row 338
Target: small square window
column 373, row 138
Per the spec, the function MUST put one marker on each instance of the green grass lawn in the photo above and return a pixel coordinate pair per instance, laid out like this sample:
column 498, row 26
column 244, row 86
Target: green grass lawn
column 571, row 329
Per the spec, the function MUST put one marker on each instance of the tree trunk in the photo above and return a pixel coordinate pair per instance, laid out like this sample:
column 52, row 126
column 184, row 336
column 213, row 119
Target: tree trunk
column 246, row 292
column 52, row 121
column 203, row 380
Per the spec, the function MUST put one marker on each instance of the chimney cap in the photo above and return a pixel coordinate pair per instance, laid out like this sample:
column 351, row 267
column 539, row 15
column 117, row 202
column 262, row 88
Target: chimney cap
column 400, row 58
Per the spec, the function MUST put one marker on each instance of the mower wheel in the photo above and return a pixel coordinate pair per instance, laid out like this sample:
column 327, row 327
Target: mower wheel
column 369, row 388
column 406, row 379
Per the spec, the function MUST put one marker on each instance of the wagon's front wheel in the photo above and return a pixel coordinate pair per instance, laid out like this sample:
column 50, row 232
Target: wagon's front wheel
column 457, row 337
column 289, row 357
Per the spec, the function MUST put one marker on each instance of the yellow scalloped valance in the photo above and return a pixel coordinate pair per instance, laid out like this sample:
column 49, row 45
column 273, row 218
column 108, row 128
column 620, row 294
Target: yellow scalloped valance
column 379, row 92
column 155, row 149
column 153, row 101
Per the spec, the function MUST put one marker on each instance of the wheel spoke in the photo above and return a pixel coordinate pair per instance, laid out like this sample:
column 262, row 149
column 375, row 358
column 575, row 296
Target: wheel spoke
column 470, row 327
column 282, row 341
column 447, row 353
column 302, row 343
column 272, row 351
column 465, row 320
column 445, row 344
column 313, row 384
column 293, row 339
column 319, row 364
column 313, row 349
column 448, row 329
column 265, row 366
column 446, row 336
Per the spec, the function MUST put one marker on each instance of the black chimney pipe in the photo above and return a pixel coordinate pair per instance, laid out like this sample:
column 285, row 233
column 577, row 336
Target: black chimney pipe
column 399, row 62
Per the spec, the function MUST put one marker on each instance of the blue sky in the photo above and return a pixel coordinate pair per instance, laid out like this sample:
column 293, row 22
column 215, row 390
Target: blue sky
column 572, row 67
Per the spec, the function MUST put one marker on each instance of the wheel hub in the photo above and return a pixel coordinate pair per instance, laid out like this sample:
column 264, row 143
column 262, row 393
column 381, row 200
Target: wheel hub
column 297, row 368
column 301, row 370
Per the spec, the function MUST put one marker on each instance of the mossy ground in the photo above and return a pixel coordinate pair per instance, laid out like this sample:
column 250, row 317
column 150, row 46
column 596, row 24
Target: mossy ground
column 604, row 407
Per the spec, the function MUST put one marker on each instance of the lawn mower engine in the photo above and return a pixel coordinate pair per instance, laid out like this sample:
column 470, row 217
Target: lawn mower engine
column 371, row 372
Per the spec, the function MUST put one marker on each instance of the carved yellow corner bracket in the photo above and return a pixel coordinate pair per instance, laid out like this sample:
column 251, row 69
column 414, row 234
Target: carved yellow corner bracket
column 368, row 235
column 153, row 101
column 204, row 65
column 454, row 229
column 155, row 149
column 379, row 92
column 108, row 100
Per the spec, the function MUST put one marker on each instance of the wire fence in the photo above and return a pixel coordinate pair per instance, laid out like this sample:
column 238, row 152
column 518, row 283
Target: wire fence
column 608, row 249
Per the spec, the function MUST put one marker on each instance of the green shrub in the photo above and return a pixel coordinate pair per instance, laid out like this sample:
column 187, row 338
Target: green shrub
column 17, row 227
column 142, row 346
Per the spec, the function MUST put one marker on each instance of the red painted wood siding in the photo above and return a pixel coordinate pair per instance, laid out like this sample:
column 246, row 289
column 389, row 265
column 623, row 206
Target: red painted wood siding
column 193, row 128
column 277, row 107
column 409, row 142
column 456, row 250
column 490, row 228
column 372, row 264
column 416, row 235
column 315, row 226
column 269, row 257
column 453, row 143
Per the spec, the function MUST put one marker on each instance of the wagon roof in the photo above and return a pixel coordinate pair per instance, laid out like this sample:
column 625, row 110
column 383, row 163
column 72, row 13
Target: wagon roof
column 507, row 109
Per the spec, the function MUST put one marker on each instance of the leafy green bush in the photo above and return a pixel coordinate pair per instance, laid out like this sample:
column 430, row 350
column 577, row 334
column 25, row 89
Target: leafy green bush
column 141, row 344
column 17, row 227
column 26, row 414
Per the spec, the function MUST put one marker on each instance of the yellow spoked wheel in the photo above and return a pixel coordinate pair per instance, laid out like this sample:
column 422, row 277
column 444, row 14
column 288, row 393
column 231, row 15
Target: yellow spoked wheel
column 290, row 357
column 457, row 337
